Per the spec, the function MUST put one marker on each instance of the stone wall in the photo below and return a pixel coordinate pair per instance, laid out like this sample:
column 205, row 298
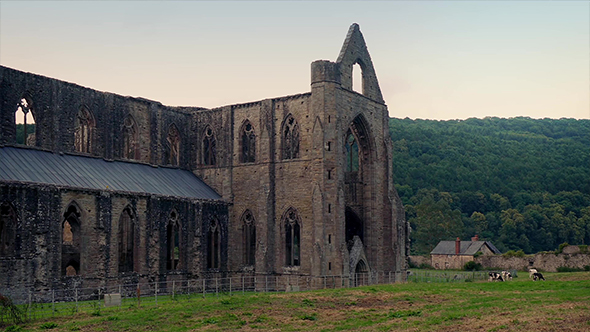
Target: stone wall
column 543, row 262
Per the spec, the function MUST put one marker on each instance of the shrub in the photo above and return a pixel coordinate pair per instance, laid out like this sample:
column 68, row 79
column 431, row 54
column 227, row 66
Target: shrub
column 472, row 266
column 425, row 266
column 48, row 325
column 512, row 253
column 586, row 267
column 561, row 246
column 9, row 310
column 477, row 254
column 568, row 269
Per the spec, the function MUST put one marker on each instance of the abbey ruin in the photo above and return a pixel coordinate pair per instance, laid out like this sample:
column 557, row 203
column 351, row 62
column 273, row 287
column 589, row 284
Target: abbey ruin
column 124, row 188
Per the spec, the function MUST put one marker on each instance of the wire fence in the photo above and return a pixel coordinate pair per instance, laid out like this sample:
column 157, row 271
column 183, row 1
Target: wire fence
column 38, row 304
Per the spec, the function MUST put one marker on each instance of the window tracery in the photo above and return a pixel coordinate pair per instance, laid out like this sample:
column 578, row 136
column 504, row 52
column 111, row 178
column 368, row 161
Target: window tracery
column 249, row 238
column 173, row 242
column 84, row 130
column 290, row 136
column 248, row 140
column 209, row 147
column 71, row 244
column 25, row 135
column 130, row 139
column 292, row 238
column 352, row 152
column 214, row 245
column 174, row 145
column 126, row 241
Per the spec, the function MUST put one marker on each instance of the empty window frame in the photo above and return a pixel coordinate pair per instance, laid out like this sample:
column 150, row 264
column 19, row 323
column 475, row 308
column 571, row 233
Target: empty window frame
column 214, row 245
column 248, row 143
column 292, row 238
column 249, row 238
column 209, row 147
column 84, row 131
column 290, row 138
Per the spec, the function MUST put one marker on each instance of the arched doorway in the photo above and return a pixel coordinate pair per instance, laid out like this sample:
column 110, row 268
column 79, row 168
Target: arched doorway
column 361, row 274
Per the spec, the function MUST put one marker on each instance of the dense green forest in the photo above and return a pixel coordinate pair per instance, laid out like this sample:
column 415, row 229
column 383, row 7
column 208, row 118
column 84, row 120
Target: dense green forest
column 523, row 184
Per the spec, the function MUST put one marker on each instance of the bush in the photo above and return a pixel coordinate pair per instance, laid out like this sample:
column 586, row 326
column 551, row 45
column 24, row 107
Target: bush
column 48, row 325
column 472, row 266
column 425, row 266
column 568, row 269
column 512, row 253
column 586, row 267
column 8, row 309
column 561, row 246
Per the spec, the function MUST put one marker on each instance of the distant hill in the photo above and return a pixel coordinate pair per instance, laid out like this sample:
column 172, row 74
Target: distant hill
column 521, row 183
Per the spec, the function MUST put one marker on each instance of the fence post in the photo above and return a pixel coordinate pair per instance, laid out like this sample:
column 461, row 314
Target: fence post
column 243, row 291
column 29, row 307
column 99, row 292
column 188, row 289
column 121, row 294
column 156, row 293
column 53, row 302
column 216, row 286
column 229, row 286
column 203, row 288
column 173, row 289
column 138, row 296
column 266, row 284
column 76, row 298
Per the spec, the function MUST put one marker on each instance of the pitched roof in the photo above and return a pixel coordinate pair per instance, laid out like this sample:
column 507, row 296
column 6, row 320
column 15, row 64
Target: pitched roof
column 42, row 167
column 466, row 248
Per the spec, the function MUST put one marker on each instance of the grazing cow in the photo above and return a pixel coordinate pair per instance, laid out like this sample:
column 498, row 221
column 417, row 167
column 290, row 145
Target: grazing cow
column 506, row 275
column 531, row 272
column 494, row 276
column 538, row 276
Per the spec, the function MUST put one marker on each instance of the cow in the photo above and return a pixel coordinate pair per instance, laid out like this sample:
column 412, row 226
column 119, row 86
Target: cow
column 538, row 276
column 506, row 275
column 531, row 272
column 494, row 276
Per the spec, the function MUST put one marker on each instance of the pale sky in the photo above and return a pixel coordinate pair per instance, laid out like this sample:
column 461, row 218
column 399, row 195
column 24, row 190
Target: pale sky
column 434, row 60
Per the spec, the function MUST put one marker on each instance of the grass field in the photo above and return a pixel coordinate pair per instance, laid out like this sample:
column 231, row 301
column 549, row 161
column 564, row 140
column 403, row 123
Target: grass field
column 562, row 303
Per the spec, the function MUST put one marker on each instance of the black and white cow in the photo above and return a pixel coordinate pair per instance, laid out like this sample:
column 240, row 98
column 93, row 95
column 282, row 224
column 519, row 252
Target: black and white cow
column 506, row 275
column 531, row 272
column 538, row 276
column 495, row 276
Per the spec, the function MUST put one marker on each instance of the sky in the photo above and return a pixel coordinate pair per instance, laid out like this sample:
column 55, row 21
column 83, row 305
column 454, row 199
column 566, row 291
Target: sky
column 434, row 59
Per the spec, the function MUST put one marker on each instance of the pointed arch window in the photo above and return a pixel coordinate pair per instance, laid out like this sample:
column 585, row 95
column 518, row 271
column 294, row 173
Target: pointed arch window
column 352, row 152
column 173, row 145
column 214, row 245
column 84, row 131
column 25, row 123
column 71, row 241
column 173, row 242
column 249, row 238
column 7, row 230
column 292, row 238
column 130, row 139
column 209, row 147
column 127, row 241
column 290, row 138
column 248, row 143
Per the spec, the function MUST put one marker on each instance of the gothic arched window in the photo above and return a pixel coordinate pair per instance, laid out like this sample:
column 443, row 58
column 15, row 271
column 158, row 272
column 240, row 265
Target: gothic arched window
column 84, row 130
column 209, row 147
column 127, row 241
column 71, row 241
column 173, row 145
column 292, row 238
column 130, row 139
column 7, row 230
column 173, row 242
column 352, row 152
column 290, row 138
column 249, row 238
column 248, row 143
column 25, row 123
column 214, row 245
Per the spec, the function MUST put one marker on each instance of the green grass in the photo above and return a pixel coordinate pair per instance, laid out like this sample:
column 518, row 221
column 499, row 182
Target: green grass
column 561, row 302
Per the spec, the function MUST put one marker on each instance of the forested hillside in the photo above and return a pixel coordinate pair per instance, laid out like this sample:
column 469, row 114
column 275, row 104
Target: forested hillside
column 521, row 183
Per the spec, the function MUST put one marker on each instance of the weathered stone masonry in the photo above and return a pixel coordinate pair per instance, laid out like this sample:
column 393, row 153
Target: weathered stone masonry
column 306, row 179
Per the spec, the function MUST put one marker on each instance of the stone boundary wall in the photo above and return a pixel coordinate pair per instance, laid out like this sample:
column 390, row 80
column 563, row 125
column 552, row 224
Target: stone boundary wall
column 548, row 262
column 417, row 260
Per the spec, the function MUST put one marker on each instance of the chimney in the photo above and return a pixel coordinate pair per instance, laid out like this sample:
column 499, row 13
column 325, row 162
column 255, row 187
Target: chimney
column 475, row 238
column 457, row 246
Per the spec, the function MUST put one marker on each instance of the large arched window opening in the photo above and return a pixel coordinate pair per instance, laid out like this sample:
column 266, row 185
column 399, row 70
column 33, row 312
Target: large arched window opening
column 173, row 145
column 209, row 147
column 25, row 123
column 352, row 152
column 290, row 138
column 84, row 131
column 173, row 242
column 248, row 143
column 7, row 230
column 214, row 245
column 130, row 139
column 127, row 241
column 357, row 78
column 354, row 227
column 71, row 241
column 249, row 238
column 292, row 238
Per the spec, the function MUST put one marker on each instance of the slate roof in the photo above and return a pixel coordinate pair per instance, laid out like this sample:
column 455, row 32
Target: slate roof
column 43, row 167
column 466, row 248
